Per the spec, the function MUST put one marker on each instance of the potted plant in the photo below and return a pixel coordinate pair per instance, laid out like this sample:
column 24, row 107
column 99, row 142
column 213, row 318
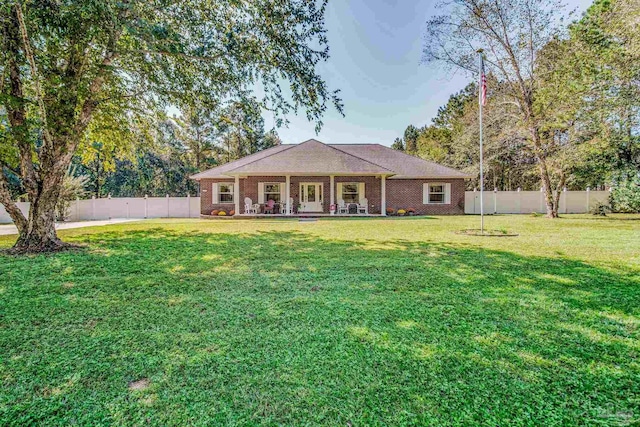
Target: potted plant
column 401, row 212
column 411, row 211
column 391, row 211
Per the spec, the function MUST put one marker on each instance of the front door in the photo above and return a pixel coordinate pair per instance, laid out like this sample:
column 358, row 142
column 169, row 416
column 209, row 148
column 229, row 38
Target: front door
column 310, row 197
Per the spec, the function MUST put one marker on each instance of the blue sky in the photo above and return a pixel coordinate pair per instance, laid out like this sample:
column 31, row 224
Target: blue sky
column 375, row 48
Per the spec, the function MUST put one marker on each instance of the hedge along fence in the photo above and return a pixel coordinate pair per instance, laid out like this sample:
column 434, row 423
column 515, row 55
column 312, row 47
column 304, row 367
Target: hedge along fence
column 124, row 207
column 525, row 202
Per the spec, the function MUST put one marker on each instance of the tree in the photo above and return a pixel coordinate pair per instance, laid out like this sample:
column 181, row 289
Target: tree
column 512, row 34
column 197, row 130
column 411, row 139
column 271, row 139
column 398, row 144
column 71, row 71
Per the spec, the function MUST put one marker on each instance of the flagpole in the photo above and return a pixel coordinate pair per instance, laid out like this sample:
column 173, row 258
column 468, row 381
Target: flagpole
column 481, row 160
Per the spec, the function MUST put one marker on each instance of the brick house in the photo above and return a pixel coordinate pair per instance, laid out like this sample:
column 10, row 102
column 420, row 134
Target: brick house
column 313, row 178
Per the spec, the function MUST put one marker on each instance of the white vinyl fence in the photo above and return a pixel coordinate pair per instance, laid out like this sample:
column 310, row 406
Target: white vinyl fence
column 125, row 207
column 518, row 202
column 524, row 202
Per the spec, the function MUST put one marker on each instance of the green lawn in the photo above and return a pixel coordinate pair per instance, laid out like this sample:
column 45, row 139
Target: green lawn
column 338, row 322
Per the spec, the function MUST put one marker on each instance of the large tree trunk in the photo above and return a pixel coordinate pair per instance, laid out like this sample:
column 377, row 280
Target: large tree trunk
column 550, row 202
column 40, row 235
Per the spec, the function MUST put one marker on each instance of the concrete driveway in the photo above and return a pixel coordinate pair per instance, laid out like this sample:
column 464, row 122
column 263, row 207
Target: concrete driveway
column 11, row 229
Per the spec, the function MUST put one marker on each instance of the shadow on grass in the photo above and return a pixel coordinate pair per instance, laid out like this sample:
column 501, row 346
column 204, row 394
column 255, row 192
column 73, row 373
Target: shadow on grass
column 285, row 328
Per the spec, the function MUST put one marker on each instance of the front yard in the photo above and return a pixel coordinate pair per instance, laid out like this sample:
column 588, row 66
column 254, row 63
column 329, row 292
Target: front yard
column 336, row 322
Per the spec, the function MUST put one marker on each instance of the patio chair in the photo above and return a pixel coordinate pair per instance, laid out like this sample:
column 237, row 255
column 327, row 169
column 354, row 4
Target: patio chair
column 363, row 206
column 342, row 207
column 249, row 207
column 283, row 207
column 270, row 206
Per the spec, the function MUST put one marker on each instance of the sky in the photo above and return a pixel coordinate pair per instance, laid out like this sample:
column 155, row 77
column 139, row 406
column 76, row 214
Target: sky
column 376, row 49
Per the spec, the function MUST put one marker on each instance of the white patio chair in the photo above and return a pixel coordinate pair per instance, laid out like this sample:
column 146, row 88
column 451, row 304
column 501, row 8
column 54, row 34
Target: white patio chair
column 363, row 206
column 342, row 207
column 283, row 207
column 249, row 207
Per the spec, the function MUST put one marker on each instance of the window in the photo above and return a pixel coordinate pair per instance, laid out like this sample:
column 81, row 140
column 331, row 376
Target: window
column 350, row 192
column 271, row 192
column 436, row 193
column 225, row 192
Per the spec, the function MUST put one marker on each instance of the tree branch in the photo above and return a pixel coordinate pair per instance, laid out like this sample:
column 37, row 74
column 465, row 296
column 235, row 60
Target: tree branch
column 26, row 45
column 10, row 206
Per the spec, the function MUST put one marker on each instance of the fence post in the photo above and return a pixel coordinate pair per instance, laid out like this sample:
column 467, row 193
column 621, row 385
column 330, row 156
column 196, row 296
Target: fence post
column 146, row 197
column 93, row 207
column 189, row 205
column 168, row 206
column 495, row 200
column 588, row 198
column 542, row 204
column 109, row 205
column 564, row 199
column 77, row 208
column 127, row 209
column 475, row 198
column 519, row 200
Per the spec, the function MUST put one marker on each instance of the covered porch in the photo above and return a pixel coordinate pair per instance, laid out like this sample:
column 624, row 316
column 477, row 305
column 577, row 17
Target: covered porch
column 309, row 195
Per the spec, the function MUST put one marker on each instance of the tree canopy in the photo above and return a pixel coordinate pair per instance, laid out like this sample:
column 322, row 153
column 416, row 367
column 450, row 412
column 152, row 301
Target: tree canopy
column 80, row 71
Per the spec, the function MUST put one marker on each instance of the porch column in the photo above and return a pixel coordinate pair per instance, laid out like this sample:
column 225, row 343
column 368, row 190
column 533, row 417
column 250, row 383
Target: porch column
column 236, row 195
column 383, row 195
column 288, row 193
column 332, row 192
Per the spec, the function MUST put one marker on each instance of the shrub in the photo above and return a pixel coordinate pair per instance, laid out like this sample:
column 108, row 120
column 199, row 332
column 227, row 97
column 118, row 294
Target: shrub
column 214, row 212
column 222, row 213
column 625, row 196
column 411, row 210
column 600, row 209
column 391, row 211
column 232, row 213
column 401, row 212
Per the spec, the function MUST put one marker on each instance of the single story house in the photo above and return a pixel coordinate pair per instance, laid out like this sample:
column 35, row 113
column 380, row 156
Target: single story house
column 313, row 178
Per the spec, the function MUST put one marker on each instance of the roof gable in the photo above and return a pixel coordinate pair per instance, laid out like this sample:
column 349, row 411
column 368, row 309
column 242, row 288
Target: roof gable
column 220, row 171
column 310, row 157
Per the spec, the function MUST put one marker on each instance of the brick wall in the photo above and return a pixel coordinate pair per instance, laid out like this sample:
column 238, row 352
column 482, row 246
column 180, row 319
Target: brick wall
column 401, row 193
column 407, row 193
column 206, row 192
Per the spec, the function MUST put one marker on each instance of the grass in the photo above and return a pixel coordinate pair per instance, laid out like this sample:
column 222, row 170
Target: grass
column 342, row 322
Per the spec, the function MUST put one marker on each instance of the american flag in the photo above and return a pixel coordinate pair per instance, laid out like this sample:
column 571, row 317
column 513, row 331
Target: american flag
column 483, row 83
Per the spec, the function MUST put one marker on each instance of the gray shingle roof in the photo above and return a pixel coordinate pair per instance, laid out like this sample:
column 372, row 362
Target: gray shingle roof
column 404, row 165
column 220, row 171
column 314, row 157
column 311, row 157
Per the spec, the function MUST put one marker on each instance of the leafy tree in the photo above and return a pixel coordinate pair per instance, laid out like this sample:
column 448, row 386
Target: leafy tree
column 398, row 144
column 198, row 132
column 625, row 196
column 74, row 71
column 512, row 34
column 411, row 139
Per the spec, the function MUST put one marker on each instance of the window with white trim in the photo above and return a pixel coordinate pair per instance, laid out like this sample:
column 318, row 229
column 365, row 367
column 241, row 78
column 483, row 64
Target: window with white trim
column 350, row 192
column 272, row 191
column 437, row 193
column 225, row 192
